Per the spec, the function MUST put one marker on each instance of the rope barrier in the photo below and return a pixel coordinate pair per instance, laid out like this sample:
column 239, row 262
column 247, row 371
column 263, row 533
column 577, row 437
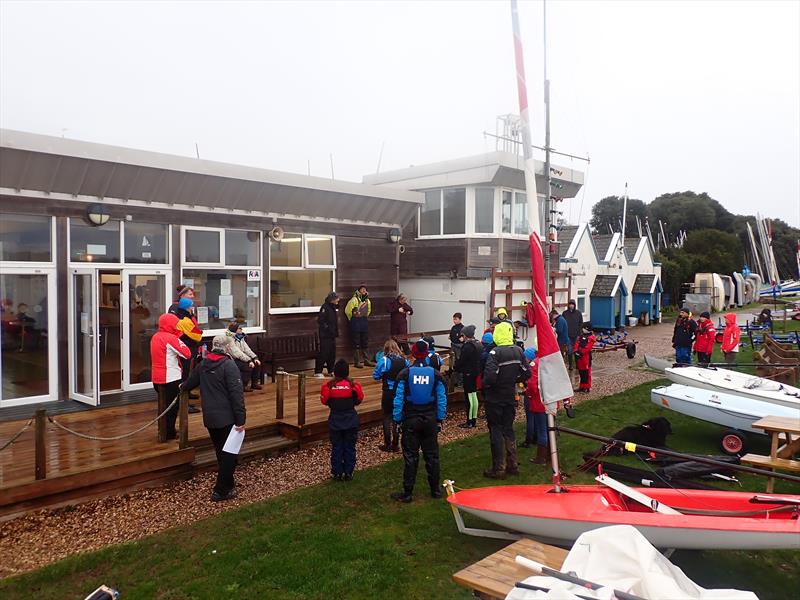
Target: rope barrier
column 116, row 437
column 16, row 435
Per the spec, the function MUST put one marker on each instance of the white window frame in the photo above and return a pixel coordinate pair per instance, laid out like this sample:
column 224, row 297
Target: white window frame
column 305, row 266
column 121, row 264
column 511, row 234
column 440, row 235
column 581, row 295
column 37, row 263
column 472, row 193
column 132, row 265
column 192, row 266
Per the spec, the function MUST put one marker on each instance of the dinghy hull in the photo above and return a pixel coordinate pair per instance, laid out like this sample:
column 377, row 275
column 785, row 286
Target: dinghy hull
column 560, row 518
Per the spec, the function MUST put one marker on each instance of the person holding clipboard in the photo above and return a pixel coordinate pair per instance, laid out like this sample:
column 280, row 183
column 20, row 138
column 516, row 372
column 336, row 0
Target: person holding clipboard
column 222, row 398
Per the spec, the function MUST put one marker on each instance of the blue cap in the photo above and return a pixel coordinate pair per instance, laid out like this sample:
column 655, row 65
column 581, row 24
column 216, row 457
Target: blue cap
column 488, row 338
column 185, row 303
column 530, row 353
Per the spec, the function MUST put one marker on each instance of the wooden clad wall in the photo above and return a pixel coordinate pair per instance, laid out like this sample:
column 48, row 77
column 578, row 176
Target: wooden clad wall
column 432, row 257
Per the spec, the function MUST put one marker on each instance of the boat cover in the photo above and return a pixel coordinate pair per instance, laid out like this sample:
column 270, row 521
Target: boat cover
column 622, row 558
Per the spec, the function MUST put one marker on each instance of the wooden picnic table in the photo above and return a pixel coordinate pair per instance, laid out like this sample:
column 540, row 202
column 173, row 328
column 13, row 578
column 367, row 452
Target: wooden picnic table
column 494, row 576
column 780, row 456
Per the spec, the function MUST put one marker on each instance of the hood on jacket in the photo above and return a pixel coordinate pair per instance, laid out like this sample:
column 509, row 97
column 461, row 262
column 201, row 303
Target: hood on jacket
column 730, row 319
column 503, row 334
column 168, row 323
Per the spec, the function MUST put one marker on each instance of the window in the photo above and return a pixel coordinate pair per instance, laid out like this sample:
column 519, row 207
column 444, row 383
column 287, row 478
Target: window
column 581, row 301
column 302, row 272
column 484, row 210
column 521, row 213
column 444, row 212
column 228, row 283
column 88, row 243
column 146, row 243
column 505, row 214
column 25, row 238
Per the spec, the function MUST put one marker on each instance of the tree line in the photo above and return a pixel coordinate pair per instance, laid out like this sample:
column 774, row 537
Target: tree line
column 716, row 239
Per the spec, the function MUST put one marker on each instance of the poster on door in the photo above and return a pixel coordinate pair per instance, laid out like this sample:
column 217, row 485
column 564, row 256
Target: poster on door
column 226, row 307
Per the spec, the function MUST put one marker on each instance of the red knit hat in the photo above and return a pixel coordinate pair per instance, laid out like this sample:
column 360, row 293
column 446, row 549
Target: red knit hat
column 420, row 349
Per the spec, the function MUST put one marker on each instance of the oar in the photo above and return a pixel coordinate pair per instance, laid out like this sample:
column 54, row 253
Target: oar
column 541, row 569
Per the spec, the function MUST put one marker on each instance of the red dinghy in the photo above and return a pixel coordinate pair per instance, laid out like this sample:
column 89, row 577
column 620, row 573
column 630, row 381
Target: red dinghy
column 679, row 519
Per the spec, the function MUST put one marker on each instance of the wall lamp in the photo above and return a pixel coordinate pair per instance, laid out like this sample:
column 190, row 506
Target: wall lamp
column 97, row 214
column 394, row 235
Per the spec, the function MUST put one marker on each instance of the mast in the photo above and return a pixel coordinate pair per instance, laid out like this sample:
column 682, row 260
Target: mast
column 549, row 227
column 624, row 213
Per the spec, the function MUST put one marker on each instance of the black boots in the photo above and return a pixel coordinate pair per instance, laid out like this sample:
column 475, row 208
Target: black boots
column 542, row 455
column 469, row 424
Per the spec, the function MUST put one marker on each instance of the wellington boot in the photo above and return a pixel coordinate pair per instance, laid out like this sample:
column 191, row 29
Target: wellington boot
column 494, row 474
column 467, row 425
column 473, row 423
column 248, row 387
column 367, row 361
column 357, row 360
column 257, row 386
column 542, row 455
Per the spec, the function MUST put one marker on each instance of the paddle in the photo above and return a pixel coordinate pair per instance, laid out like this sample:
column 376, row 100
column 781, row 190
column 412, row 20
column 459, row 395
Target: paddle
column 541, row 569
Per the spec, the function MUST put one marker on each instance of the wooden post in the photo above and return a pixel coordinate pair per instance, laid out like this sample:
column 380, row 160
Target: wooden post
column 162, row 422
column 40, row 441
column 183, row 409
column 281, row 383
column 301, row 400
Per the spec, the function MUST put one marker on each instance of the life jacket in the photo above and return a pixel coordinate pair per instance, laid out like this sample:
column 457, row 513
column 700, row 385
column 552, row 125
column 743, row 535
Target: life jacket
column 421, row 382
column 434, row 360
column 396, row 364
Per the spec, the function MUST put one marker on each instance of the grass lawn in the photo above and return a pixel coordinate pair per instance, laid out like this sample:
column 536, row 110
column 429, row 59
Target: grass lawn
column 348, row 540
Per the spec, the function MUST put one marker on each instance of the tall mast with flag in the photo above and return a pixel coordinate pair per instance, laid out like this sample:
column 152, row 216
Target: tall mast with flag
column 553, row 377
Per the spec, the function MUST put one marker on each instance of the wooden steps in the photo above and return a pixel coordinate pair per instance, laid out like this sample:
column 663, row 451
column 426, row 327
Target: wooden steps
column 253, row 447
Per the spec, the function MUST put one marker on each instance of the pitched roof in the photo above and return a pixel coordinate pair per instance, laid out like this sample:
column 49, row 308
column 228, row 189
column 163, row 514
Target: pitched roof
column 643, row 283
column 631, row 246
column 565, row 236
column 602, row 243
column 604, row 286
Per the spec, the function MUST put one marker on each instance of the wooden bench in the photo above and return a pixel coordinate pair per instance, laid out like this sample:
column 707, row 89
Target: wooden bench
column 272, row 350
column 495, row 576
column 780, row 457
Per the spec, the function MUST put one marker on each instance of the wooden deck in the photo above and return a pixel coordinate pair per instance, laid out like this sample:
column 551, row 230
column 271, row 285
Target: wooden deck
column 78, row 468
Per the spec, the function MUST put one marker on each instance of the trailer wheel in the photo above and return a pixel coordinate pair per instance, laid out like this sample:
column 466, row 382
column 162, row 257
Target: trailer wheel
column 630, row 349
column 733, row 442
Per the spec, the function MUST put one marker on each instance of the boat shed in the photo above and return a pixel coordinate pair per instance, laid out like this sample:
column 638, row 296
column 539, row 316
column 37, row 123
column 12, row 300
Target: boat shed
column 607, row 302
column 646, row 293
column 94, row 240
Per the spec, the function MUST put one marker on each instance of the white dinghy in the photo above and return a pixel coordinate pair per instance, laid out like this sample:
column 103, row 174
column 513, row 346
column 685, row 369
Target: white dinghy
column 725, row 381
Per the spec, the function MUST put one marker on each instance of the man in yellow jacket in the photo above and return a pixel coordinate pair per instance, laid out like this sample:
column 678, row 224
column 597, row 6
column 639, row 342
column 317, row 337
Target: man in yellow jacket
column 357, row 312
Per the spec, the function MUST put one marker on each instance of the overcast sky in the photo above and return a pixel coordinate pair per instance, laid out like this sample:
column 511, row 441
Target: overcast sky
column 668, row 96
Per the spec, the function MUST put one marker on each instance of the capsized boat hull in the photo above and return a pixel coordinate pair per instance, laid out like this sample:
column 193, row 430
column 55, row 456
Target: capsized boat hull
column 728, row 410
column 726, row 381
column 537, row 511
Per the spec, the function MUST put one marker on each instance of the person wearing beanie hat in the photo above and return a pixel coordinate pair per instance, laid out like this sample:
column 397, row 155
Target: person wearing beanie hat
column 705, row 336
column 683, row 336
column 246, row 359
column 506, row 366
column 468, row 365
column 328, row 324
column 189, row 332
column 583, row 357
column 420, row 407
column 574, row 320
column 341, row 395
column 222, row 398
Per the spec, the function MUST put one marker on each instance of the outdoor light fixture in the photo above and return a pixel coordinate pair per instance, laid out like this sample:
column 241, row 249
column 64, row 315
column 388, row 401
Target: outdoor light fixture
column 97, row 214
column 394, row 235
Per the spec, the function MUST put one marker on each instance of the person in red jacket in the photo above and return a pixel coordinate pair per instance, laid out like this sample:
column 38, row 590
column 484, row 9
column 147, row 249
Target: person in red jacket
column 583, row 355
column 166, row 353
column 730, row 339
column 536, row 410
column 341, row 394
column 704, row 338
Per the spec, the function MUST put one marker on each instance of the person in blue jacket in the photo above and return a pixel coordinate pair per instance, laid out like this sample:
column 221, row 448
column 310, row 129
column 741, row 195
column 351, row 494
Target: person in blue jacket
column 420, row 407
column 434, row 358
column 562, row 334
column 388, row 368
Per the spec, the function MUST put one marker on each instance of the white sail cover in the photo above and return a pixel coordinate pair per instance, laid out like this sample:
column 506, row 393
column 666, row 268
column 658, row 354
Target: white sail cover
column 621, row 558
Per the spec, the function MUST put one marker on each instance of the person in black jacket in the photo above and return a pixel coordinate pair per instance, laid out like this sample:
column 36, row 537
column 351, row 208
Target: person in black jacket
column 505, row 368
column 574, row 320
column 328, row 332
column 468, row 364
column 222, row 398
column 683, row 337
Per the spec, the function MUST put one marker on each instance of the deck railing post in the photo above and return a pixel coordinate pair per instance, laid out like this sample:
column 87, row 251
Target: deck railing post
column 301, row 400
column 162, row 422
column 183, row 409
column 279, row 391
column 40, row 447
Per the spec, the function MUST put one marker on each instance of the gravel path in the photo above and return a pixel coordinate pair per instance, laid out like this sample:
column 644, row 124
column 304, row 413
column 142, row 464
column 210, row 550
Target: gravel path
column 46, row 536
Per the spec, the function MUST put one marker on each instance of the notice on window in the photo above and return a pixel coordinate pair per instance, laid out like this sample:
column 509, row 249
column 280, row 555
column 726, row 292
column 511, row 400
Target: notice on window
column 225, row 306
column 85, row 323
column 225, row 287
column 252, row 291
column 188, row 283
column 99, row 249
column 254, row 275
column 202, row 314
